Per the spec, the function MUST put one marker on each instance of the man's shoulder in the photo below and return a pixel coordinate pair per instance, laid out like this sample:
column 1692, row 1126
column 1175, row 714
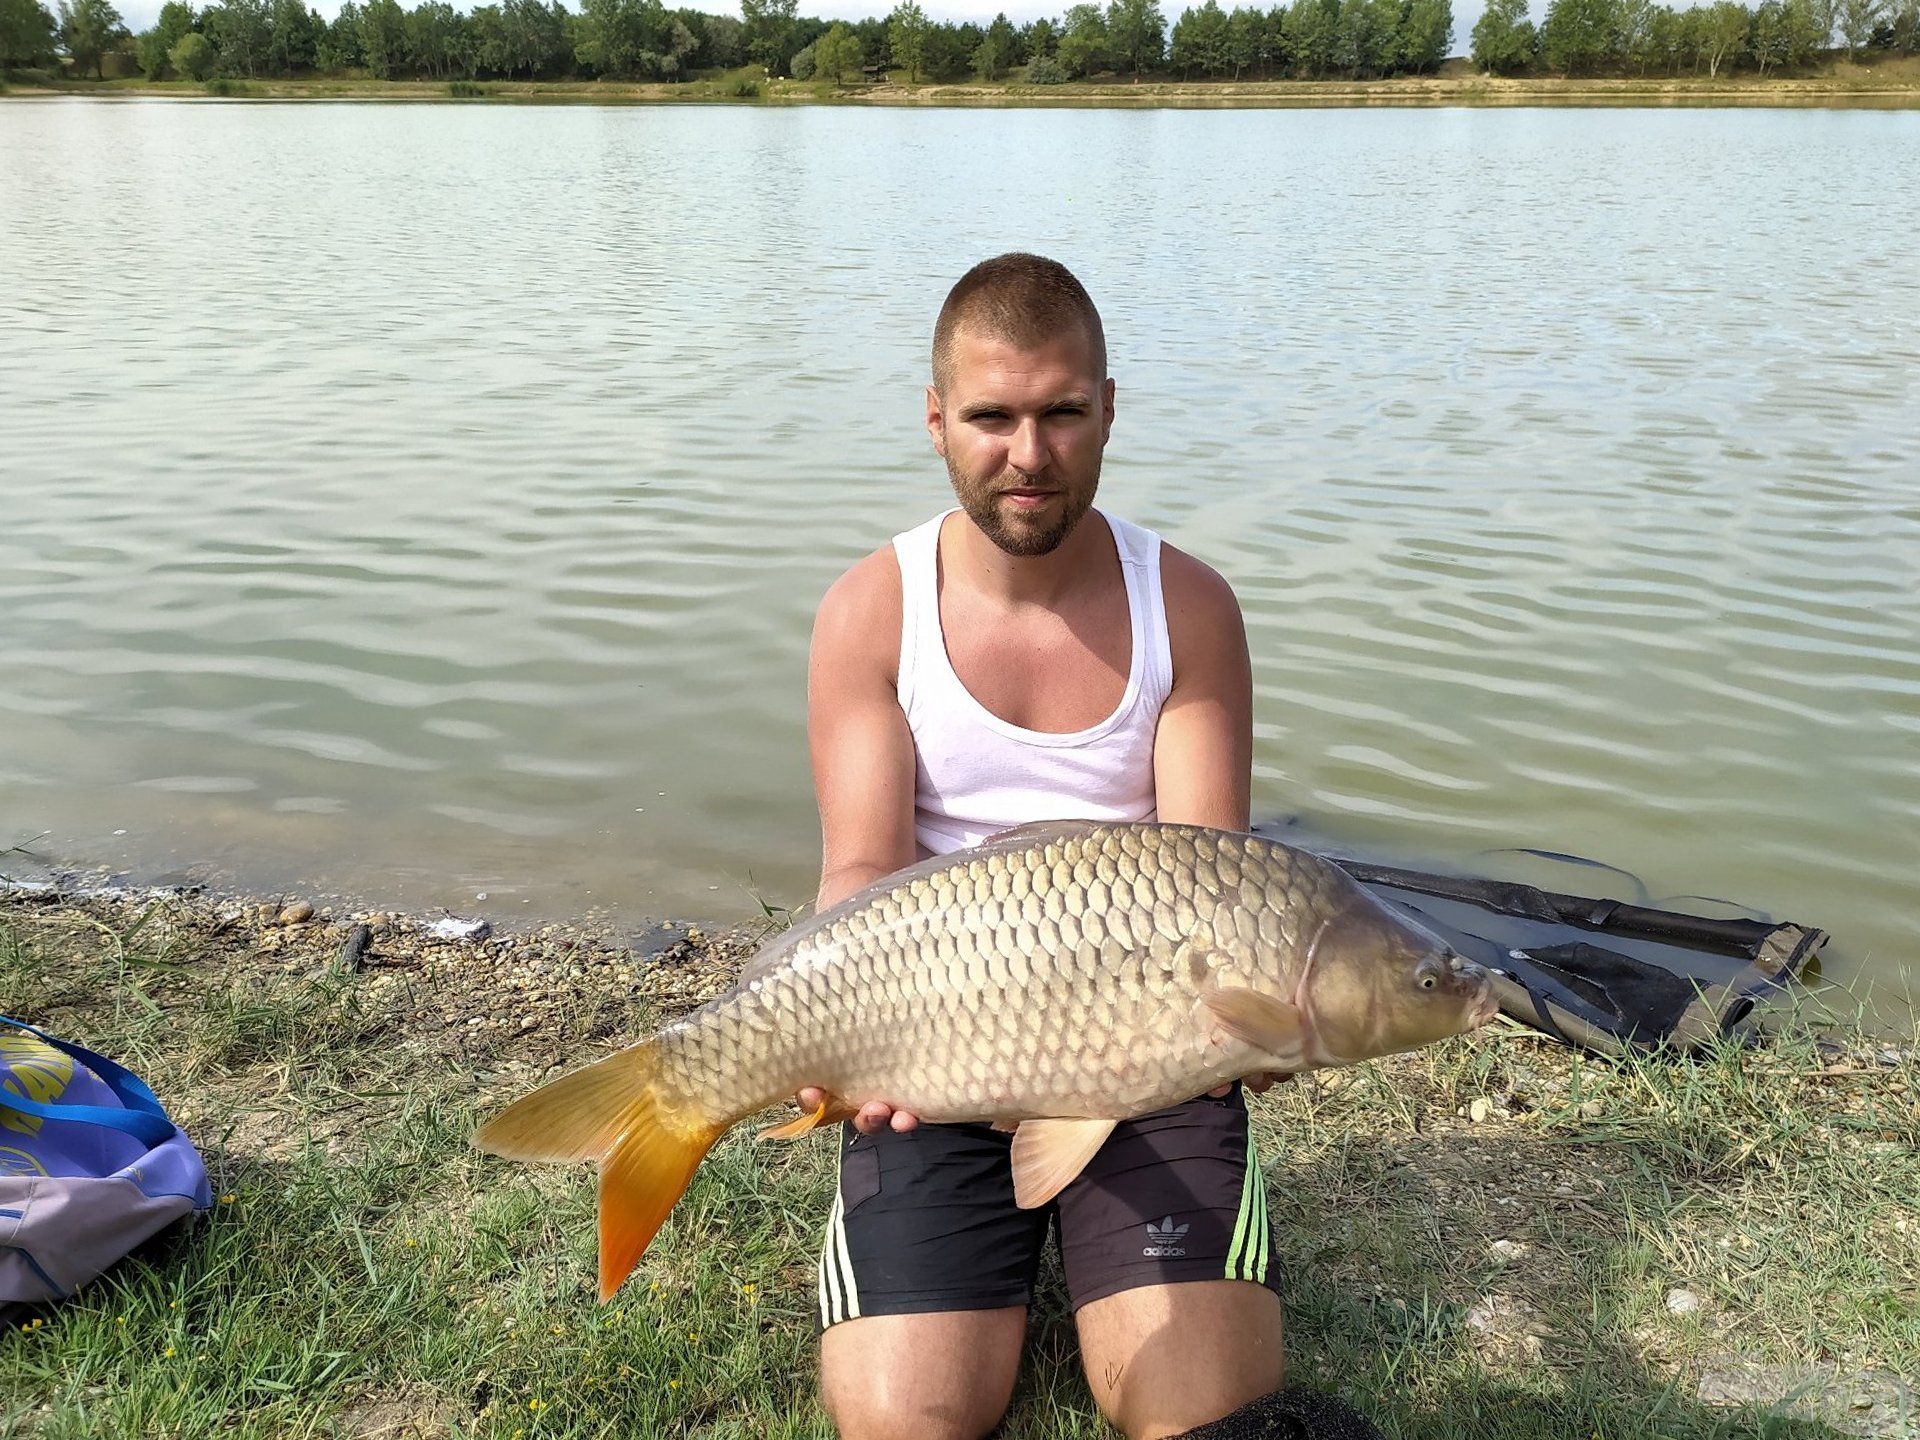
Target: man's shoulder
column 1193, row 588
column 873, row 579
column 858, row 621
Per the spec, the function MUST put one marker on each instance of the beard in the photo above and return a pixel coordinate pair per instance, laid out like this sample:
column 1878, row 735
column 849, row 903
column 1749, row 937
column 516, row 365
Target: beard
column 1012, row 532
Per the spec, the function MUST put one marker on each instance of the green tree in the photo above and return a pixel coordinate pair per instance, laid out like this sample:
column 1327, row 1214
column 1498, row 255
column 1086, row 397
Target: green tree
column 766, row 25
column 1365, row 36
column 193, row 56
column 383, row 37
column 1503, row 38
column 1902, row 29
column 1007, row 38
column 337, row 47
column 1273, row 41
column 1425, row 35
column 430, row 30
column 1038, row 39
column 1722, row 33
column 1858, row 20
column 836, row 54
column 1246, row 40
column 1312, row 28
column 28, row 33
column 992, row 56
column 1200, row 41
column 88, row 29
column 1667, row 40
column 239, row 30
column 1083, row 48
column 175, row 20
column 1577, row 35
column 724, row 45
column 907, row 38
column 1137, row 33
column 290, row 37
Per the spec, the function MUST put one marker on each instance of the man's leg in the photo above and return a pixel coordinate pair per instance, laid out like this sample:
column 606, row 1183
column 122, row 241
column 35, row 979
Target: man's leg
column 942, row 1376
column 925, row 1271
column 1167, row 1246
column 1163, row 1359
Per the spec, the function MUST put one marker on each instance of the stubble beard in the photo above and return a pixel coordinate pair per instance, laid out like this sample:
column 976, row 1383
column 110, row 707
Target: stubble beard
column 981, row 500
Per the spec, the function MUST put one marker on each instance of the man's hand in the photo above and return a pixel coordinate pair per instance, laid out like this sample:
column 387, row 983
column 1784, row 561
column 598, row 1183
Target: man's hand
column 874, row 1116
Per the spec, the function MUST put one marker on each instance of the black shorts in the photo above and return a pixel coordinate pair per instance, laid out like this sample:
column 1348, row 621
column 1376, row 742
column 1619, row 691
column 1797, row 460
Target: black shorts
column 926, row 1221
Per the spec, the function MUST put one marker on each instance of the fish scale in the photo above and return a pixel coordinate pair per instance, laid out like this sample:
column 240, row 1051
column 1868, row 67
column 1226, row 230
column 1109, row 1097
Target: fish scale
column 1065, row 976
column 944, row 976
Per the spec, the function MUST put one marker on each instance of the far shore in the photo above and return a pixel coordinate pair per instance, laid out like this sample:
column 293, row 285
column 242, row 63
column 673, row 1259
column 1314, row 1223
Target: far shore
column 1889, row 84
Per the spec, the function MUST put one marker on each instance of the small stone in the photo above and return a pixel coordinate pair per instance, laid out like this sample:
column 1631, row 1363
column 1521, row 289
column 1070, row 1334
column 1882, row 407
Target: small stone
column 1682, row 1302
column 297, row 913
column 1592, row 1109
column 1479, row 1110
column 1509, row 1249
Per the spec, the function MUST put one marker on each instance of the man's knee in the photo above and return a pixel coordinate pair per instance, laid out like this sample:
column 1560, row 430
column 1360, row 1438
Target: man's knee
column 904, row 1377
column 898, row 1413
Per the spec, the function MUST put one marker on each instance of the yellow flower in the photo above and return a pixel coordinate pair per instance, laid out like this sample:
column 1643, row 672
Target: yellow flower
column 673, row 1384
column 119, row 1319
column 170, row 1352
column 536, row 1406
column 226, row 1199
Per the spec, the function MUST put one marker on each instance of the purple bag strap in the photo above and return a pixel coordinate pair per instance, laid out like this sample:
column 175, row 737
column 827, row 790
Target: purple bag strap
column 144, row 1118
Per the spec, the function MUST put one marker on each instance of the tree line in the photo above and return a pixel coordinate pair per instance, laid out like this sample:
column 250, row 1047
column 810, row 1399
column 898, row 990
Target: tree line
column 1584, row 37
column 643, row 40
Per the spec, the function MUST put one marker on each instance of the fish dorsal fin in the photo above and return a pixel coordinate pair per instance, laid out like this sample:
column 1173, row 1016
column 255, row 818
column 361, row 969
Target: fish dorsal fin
column 1261, row 1021
column 1047, row 1154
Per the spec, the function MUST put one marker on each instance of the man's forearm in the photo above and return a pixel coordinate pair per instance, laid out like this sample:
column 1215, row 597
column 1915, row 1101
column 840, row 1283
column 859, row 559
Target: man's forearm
column 845, row 880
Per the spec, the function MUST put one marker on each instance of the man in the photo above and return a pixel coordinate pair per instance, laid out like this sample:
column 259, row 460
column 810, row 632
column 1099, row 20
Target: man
column 1026, row 657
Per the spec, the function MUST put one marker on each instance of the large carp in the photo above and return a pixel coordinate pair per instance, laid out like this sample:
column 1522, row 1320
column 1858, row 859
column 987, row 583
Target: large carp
column 1064, row 976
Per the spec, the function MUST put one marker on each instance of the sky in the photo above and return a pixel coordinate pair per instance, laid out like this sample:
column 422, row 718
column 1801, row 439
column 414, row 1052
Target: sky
column 140, row 14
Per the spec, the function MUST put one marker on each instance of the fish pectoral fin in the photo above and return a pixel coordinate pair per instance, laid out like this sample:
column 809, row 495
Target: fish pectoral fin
column 1047, row 1154
column 831, row 1111
column 1006, row 1127
column 1258, row 1020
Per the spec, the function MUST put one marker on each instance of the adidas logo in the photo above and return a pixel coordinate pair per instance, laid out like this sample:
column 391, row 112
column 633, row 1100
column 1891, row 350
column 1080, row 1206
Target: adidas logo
column 1163, row 1240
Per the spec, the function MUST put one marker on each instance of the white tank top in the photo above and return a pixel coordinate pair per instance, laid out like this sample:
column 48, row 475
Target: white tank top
column 976, row 774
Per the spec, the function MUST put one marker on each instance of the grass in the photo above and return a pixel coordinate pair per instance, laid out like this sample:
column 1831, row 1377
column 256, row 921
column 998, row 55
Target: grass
column 365, row 1273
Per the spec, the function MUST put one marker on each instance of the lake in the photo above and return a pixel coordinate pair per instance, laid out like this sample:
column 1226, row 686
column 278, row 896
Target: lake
column 427, row 504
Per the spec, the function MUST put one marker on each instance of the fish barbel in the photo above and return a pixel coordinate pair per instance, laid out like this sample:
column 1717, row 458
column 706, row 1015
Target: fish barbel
column 1063, row 976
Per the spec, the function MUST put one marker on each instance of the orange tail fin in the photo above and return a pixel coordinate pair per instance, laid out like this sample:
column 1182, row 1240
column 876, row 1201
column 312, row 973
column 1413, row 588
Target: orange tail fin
column 617, row 1113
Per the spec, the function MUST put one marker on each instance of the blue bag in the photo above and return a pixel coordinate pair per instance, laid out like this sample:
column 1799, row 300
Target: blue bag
column 90, row 1165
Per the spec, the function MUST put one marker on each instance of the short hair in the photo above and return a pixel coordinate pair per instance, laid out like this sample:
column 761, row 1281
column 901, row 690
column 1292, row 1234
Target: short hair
column 1020, row 299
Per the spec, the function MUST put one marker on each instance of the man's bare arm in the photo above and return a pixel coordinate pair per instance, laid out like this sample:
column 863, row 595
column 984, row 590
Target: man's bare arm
column 1203, row 748
column 862, row 753
column 857, row 736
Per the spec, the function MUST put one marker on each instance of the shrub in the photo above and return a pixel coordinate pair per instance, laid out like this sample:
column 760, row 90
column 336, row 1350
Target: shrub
column 802, row 63
column 746, row 89
column 193, row 56
column 1044, row 70
column 230, row 88
column 465, row 89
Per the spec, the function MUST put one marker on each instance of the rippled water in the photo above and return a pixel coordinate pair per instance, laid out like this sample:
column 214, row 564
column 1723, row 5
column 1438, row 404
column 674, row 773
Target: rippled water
column 417, row 502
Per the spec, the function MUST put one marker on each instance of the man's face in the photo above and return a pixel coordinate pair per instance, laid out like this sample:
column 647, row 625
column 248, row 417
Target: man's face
column 1022, row 431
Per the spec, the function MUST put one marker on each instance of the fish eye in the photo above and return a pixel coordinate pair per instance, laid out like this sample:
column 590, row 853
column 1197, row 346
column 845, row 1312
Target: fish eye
column 1426, row 982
